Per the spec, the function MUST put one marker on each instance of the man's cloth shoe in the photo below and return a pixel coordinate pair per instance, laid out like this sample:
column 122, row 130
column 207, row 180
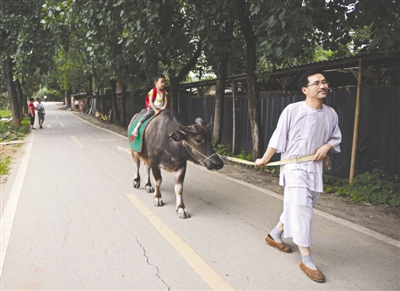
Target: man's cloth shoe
column 135, row 132
column 315, row 275
column 279, row 246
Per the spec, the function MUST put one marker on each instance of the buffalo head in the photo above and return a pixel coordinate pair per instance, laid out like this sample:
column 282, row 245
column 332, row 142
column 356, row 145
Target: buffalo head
column 196, row 139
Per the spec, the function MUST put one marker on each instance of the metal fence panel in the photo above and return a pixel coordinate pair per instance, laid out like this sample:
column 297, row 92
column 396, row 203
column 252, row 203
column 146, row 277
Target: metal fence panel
column 379, row 126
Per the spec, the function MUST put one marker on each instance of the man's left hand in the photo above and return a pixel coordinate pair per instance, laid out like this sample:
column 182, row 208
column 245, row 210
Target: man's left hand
column 321, row 152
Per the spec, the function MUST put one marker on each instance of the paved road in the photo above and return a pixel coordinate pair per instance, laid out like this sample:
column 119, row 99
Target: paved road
column 71, row 220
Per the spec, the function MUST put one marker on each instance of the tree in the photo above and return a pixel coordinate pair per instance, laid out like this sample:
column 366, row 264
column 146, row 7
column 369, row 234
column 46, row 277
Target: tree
column 25, row 46
column 375, row 25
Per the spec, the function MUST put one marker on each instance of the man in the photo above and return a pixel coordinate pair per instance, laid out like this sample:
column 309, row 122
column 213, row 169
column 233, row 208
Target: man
column 304, row 128
column 31, row 113
column 41, row 112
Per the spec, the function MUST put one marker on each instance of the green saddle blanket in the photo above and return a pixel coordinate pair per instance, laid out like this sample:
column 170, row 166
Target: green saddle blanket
column 136, row 142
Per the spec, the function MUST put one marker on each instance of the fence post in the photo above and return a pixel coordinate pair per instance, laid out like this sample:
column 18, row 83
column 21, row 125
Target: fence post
column 356, row 122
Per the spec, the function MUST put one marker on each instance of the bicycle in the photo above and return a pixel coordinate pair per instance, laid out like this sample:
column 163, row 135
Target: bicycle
column 104, row 118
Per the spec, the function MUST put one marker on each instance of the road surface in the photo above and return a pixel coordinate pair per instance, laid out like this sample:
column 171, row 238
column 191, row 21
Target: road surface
column 71, row 220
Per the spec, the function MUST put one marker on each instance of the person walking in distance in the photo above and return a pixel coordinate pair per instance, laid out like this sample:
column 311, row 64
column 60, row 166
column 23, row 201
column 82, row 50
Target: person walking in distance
column 304, row 128
column 81, row 105
column 31, row 113
column 41, row 112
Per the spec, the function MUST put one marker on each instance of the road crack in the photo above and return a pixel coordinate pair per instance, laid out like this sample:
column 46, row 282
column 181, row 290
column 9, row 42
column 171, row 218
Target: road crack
column 154, row 266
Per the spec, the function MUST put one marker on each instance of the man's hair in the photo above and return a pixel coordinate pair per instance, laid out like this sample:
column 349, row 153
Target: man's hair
column 31, row 99
column 38, row 99
column 303, row 81
column 158, row 76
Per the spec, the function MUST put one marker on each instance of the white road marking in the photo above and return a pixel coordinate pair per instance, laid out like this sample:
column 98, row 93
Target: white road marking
column 128, row 151
column 113, row 132
column 12, row 203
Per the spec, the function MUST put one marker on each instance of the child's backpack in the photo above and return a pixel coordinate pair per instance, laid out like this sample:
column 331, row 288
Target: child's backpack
column 154, row 96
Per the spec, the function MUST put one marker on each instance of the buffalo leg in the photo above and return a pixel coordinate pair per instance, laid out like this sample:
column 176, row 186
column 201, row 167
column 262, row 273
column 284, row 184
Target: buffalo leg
column 136, row 179
column 157, row 182
column 149, row 188
column 180, row 206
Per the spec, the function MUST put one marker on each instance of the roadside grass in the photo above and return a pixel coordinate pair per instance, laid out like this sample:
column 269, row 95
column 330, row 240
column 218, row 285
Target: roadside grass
column 4, row 165
column 10, row 132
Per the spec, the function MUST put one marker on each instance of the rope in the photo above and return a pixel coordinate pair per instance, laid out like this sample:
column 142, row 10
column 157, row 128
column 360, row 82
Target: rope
column 184, row 143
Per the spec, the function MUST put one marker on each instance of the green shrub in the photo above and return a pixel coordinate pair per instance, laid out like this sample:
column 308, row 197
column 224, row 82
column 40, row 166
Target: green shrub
column 332, row 183
column 244, row 156
column 5, row 113
column 222, row 149
column 377, row 187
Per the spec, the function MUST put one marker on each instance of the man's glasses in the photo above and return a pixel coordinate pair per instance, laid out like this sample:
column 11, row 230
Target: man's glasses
column 318, row 83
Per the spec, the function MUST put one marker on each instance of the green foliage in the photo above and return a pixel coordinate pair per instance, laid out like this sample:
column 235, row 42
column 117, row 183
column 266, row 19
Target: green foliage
column 5, row 113
column 4, row 102
column 221, row 149
column 375, row 25
column 244, row 156
column 377, row 187
column 332, row 183
column 9, row 132
column 275, row 170
column 52, row 95
column 4, row 165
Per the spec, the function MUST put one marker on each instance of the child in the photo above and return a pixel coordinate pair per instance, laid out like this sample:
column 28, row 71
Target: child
column 156, row 103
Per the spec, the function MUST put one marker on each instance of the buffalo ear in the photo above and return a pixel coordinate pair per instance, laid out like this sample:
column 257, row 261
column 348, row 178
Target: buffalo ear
column 199, row 121
column 177, row 135
column 210, row 125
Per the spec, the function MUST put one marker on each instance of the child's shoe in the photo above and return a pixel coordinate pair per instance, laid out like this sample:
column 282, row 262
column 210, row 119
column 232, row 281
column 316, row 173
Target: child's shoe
column 135, row 132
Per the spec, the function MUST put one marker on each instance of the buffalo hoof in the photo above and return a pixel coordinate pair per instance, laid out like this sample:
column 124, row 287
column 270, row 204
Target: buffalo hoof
column 158, row 202
column 136, row 184
column 183, row 214
column 149, row 189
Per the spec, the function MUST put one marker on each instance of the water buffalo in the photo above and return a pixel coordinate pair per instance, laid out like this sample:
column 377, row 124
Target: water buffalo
column 168, row 144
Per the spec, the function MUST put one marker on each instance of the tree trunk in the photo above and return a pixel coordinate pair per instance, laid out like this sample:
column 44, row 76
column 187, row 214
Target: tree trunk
column 123, row 105
column 222, row 67
column 173, row 94
column 114, row 103
column 12, row 92
column 90, row 85
column 252, row 92
column 68, row 93
column 175, row 80
column 102, row 101
column 21, row 98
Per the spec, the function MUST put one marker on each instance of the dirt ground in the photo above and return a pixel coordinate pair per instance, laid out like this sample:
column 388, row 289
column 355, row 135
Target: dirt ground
column 8, row 150
column 378, row 218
